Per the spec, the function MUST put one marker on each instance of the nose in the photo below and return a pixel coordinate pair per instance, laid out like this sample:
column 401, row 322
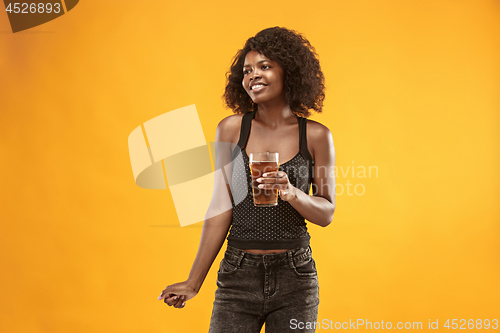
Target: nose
column 255, row 74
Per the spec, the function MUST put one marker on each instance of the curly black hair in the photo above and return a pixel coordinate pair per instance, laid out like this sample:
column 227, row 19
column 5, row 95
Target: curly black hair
column 304, row 83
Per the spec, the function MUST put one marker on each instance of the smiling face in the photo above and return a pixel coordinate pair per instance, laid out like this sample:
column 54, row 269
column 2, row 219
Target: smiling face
column 262, row 79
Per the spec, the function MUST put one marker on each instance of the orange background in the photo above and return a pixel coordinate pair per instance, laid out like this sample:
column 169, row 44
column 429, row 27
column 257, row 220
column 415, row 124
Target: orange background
column 412, row 88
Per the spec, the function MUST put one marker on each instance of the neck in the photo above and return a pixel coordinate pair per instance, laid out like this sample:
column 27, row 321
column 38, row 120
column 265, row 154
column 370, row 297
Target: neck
column 274, row 115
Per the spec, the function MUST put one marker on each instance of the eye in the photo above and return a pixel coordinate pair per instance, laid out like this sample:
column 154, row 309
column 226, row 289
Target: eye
column 246, row 71
column 265, row 67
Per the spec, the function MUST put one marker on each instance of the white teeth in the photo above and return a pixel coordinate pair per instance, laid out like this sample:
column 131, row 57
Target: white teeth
column 257, row 86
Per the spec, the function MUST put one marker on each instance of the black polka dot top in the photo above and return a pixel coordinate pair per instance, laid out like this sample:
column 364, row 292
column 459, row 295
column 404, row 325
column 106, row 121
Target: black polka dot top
column 266, row 228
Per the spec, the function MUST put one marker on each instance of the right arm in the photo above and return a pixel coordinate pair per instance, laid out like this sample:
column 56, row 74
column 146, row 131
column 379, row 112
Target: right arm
column 217, row 220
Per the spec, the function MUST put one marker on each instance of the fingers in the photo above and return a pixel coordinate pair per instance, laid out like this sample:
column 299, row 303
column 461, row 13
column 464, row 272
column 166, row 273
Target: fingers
column 278, row 177
column 273, row 183
column 171, row 298
column 278, row 187
column 275, row 174
column 181, row 302
column 282, row 180
column 167, row 292
column 177, row 301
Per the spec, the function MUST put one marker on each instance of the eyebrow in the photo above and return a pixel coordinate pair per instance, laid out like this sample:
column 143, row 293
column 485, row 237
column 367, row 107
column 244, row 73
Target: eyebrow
column 265, row 60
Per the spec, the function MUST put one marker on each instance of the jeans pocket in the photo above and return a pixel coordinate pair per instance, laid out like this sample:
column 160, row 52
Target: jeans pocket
column 306, row 268
column 227, row 267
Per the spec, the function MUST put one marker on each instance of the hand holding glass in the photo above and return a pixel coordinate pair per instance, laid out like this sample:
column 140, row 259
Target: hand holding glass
column 260, row 163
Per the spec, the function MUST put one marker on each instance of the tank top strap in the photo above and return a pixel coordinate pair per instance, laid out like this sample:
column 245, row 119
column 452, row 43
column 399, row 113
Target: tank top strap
column 303, row 138
column 246, row 124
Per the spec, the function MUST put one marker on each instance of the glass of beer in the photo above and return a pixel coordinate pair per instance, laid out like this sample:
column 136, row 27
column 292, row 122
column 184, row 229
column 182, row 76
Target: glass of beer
column 260, row 163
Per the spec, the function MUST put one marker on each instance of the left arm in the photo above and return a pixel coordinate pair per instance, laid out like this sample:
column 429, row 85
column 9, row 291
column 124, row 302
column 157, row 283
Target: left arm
column 319, row 207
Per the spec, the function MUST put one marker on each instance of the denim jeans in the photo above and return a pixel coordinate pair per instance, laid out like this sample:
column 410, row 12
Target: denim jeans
column 278, row 289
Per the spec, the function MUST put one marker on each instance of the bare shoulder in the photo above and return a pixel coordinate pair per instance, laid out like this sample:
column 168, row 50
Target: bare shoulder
column 317, row 131
column 228, row 129
column 319, row 139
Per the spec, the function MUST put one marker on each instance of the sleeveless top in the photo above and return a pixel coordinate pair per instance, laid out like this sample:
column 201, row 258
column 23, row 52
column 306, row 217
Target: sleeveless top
column 266, row 228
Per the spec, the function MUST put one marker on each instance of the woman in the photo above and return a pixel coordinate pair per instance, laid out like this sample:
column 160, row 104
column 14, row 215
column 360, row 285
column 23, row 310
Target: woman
column 267, row 274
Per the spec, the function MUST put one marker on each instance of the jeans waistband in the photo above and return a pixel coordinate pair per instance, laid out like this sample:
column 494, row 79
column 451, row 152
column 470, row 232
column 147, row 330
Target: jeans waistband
column 290, row 257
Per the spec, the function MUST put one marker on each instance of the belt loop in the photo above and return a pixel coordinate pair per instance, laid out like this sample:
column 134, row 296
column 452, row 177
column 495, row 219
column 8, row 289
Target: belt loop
column 240, row 258
column 290, row 259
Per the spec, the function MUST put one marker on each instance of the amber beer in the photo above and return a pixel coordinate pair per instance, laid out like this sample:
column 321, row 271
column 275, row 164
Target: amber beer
column 260, row 163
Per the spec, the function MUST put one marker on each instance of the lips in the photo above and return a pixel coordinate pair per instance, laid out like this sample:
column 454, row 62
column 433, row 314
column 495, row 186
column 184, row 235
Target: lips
column 257, row 86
